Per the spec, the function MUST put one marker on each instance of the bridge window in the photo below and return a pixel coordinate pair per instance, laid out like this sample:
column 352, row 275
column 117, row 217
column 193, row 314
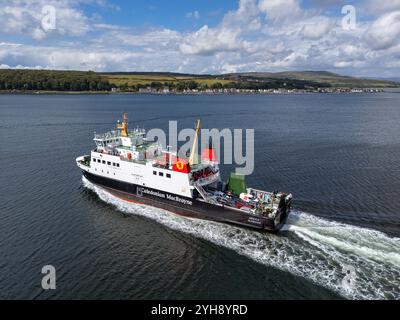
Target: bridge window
column 109, row 163
column 168, row 175
column 161, row 174
column 155, row 173
column 104, row 162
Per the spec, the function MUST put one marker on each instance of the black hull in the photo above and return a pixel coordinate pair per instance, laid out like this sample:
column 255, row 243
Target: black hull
column 186, row 206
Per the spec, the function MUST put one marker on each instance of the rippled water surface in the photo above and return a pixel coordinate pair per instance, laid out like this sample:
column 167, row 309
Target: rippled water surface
column 338, row 154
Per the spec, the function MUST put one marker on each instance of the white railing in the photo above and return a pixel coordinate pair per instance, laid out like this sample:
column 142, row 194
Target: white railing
column 107, row 135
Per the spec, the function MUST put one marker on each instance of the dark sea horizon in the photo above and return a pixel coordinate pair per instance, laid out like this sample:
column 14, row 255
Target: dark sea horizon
column 338, row 154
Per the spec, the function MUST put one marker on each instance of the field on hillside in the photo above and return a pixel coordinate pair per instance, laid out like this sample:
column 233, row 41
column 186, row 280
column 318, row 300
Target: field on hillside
column 146, row 79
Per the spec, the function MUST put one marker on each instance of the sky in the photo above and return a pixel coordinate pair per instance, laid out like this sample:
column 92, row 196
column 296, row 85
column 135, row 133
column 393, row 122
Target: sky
column 360, row 38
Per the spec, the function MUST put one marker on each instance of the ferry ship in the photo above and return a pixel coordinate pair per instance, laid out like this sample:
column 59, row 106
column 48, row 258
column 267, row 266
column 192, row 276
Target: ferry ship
column 134, row 169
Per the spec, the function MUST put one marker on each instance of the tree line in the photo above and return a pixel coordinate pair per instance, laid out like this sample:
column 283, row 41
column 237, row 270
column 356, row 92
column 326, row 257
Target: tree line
column 46, row 80
column 242, row 85
column 52, row 80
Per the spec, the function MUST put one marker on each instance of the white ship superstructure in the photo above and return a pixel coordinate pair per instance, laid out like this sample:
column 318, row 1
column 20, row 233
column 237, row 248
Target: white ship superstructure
column 129, row 166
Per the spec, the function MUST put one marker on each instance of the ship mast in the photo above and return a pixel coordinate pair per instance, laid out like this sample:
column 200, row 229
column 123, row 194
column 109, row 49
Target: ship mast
column 124, row 125
column 191, row 159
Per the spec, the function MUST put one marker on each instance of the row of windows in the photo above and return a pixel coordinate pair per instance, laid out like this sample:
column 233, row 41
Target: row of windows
column 108, row 162
column 106, row 142
column 111, row 141
column 161, row 174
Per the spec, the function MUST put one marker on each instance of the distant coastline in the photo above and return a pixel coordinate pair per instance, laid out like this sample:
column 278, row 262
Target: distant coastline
column 22, row 81
column 194, row 92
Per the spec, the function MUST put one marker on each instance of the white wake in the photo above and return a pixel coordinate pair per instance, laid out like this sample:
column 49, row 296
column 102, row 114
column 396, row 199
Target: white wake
column 355, row 262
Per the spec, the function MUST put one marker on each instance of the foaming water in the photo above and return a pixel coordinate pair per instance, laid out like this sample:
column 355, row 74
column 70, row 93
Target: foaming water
column 355, row 262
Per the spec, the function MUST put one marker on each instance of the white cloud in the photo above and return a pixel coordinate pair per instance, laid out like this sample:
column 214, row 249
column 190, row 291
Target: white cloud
column 280, row 9
column 25, row 18
column 385, row 31
column 382, row 6
column 87, row 58
column 227, row 35
column 316, row 28
column 260, row 35
column 208, row 41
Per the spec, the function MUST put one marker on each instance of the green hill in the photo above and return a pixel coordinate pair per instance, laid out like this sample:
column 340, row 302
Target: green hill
column 315, row 78
column 324, row 77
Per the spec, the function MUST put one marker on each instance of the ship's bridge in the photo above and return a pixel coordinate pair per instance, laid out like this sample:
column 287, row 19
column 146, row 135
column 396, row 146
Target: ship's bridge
column 122, row 137
column 109, row 139
column 114, row 138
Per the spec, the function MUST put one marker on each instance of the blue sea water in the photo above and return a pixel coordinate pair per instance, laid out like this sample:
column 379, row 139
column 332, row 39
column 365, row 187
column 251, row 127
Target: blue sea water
column 338, row 155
